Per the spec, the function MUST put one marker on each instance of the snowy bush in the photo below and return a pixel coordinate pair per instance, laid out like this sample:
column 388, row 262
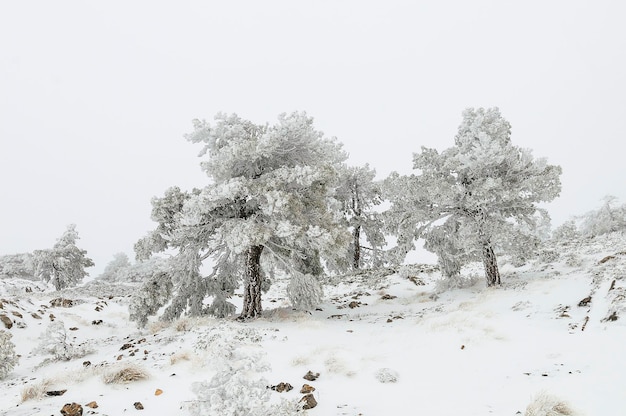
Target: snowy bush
column 54, row 341
column 236, row 389
column 152, row 295
column 304, row 291
column 8, row 358
column 545, row 404
column 386, row 375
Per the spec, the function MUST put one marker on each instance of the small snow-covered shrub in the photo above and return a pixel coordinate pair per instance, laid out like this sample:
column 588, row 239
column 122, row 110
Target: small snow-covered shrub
column 456, row 282
column 55, row 342
column 573, row 260
column 154, row 293
column 548, row 256
column 545, row 404
column 386, row 375
column 8, row 358
column 304, row 291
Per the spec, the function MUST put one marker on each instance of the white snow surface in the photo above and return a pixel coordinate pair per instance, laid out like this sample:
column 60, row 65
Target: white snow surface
column 400, row 350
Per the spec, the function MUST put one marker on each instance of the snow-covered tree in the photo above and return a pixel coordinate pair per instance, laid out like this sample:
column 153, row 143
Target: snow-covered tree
column 471, row 197
column 17, row 265
column 116, row 269
column 608, row 218
column 271, row 193
column 359, row 194
column 8, row 357
column 64, row 264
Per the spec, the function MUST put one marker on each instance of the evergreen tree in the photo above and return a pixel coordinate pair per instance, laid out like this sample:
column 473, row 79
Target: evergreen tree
column 271, row 193
column 64, row 264
column 360, row 194
column 471, row 197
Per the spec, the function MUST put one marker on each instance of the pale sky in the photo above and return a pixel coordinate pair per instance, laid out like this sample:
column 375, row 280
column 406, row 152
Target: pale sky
column 95, row 96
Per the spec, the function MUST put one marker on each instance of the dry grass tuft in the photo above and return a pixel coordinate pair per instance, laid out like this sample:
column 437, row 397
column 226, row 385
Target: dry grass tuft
column 36, row 391
column 545, row 404
column 124, row 374
column 180, row 356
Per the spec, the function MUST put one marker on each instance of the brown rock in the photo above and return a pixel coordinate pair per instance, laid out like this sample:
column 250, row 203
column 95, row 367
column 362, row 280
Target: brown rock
column 158, row 392
column 306, row 389
column 281, row 387
column 52, row 317
column 311, row 376
column 16, row 313
column 72, row 409
column 138, row 405
column 73, row 328
column 55, row 392
column 92, row 405
column 309, row 401
column 354, row 304
column 126, row 346
column 388, row 297
column 34, row 315
column 8, row 323
column 585, row 301
column 61, row 302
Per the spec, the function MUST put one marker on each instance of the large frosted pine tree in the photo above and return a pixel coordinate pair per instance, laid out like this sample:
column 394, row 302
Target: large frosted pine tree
column 465, row 200
column 270, row 193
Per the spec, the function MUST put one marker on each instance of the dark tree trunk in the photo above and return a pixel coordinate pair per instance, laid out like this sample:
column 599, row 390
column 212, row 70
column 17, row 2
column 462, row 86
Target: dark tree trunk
column 491, row 264
column 357, row 247
column 252, row 285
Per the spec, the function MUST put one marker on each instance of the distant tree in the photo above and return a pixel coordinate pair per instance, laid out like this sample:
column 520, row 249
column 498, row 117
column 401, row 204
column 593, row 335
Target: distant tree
column 359, row 194
column 608, row 218
column 117, row 268
column 271, row 193
column 471, row 197
column 17, row 266
column 64, row 264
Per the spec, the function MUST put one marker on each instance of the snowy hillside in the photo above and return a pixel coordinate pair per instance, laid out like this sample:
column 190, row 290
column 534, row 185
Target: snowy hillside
column 383, row 344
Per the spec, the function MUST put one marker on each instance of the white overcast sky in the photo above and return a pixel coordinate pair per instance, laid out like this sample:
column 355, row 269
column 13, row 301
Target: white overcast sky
column 95, row 96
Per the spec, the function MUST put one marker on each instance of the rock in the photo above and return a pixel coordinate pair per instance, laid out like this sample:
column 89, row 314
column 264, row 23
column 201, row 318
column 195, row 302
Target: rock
column 389, row 320
column 86, row 363
column 311, row 376
column 158, row 392
column 8, row 323
column 72, row 409
column 354, row 304
column 16, row 313
column 96, row 322
column 138, row 405
column 73, row 328
column 281, row 387
column 56, row 392
column 388, row 297
column 126, row 346
column 306, row 389
column 52, row 317
column 92, row 405
column 309, row 401
column 61, row 302
column 585, row 301
column 34, row 315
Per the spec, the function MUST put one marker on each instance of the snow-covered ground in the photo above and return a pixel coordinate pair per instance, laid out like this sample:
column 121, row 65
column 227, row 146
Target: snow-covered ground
column 382, row 345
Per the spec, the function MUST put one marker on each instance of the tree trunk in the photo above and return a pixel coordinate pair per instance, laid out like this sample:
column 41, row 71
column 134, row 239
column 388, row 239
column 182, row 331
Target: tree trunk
column 252, row 285
column 357, row 247
column 491, row 264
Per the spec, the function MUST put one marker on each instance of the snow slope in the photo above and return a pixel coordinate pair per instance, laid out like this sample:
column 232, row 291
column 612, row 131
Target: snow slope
column 383, row 345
